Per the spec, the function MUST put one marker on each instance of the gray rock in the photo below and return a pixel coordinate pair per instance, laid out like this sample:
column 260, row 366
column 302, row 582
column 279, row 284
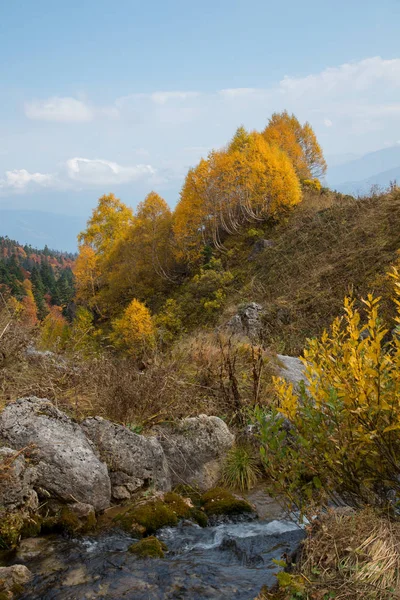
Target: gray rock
column 195, row 448
column 12, row 578
column 260, row 246
column 247, row 321
column 66, row 464
column 291, row 369
column 16, row 485
column 133, row 460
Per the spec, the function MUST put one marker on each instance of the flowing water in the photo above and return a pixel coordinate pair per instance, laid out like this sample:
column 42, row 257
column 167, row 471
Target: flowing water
column 231, row 560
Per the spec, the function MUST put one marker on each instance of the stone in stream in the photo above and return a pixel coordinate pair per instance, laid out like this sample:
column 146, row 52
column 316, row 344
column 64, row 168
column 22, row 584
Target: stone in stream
column 65, row 461
column 195, row 448
column 134, row 461
column 12, row 580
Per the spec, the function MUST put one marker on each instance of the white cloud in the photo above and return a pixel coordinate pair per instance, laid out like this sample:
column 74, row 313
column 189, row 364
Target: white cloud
column 105, row 172
column 20, row 179
column 65, row 110
column 164, row 97
column 328, row 123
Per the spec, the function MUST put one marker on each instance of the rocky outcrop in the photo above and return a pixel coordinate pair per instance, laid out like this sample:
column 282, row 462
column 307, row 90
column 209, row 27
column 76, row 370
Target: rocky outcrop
column 247, row 321
column 259, row 247
column 16, row 481
column 12, row 579
column 134, row 461
column 66, row 464
column 195, row 448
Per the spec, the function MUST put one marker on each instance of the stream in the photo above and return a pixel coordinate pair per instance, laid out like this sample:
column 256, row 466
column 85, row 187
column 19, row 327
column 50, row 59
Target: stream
column 230, row 560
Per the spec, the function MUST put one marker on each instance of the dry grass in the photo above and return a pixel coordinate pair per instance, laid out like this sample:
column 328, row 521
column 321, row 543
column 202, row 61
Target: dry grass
column 352, row 555
column 329, row 245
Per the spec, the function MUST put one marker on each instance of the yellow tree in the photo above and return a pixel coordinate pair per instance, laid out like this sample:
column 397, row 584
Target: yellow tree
column 109, row 223
column 191, row 213
column 29, row 313
column 299, row 142
column 143, row 258
column 134, row 331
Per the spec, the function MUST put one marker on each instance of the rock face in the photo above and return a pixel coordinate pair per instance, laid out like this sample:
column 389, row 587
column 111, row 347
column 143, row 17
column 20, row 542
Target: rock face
column 12, row 578
column 134, row 461
column 292, row 369
column 65, row 461
column 247, row 321
column 16, row 485
column 195, row 448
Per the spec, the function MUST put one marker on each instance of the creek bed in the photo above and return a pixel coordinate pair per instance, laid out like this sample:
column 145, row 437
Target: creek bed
column 230, row 560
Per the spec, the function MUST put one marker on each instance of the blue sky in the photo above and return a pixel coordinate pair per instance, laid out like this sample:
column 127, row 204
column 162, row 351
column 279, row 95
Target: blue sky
column 124, row 96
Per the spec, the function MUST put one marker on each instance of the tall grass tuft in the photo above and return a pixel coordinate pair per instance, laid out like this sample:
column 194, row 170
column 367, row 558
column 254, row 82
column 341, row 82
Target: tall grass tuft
column 240, row 470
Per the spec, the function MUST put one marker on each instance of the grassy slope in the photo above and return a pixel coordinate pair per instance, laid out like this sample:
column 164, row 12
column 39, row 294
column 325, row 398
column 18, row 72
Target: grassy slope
column 327, row 247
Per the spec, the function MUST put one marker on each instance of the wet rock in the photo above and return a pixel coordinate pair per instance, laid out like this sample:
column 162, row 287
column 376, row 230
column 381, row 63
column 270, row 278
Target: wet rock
column 16, row 483
column 134, row 461
column 35, row 547
column 12, row 580
column 195, row 448
column 247, row 321
column 65, row 461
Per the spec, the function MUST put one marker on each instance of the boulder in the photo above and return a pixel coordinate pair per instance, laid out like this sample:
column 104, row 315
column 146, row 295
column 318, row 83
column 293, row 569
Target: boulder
column 17, row 478
column 260, row 246
column 134, row 461
column 12, row 579
column 247, row 321
column 66, row 464
column 195, row 449
column 291, row 369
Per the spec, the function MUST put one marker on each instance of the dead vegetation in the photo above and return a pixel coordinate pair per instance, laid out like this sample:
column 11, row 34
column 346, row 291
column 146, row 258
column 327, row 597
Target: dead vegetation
column 352, row 555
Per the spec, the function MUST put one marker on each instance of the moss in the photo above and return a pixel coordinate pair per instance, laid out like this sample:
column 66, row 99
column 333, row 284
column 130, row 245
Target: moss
column 187, row 491
column 32, row 527
column 11, row 526
column 177, row 504
column 150, row 547
column 221, row 502
column 150, row 517
column 199, row 517
column 70, row 522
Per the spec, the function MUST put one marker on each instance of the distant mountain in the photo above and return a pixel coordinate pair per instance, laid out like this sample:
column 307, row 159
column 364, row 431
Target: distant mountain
column 40, row 229
column 375, row 168
column 359, row 188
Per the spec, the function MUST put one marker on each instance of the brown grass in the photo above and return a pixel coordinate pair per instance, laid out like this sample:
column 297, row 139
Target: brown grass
column 352, row 555
column 329, row 244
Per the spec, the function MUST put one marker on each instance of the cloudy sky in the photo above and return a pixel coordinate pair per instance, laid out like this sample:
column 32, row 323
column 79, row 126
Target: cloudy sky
column 100, row 95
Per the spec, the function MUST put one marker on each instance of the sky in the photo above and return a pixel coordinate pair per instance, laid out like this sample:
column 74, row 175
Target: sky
column 99, row 96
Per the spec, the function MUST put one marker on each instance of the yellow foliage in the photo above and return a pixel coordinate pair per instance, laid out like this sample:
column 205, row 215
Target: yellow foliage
column 345, row 434
column 249, row 181
column 134, row 332
column 299, row 142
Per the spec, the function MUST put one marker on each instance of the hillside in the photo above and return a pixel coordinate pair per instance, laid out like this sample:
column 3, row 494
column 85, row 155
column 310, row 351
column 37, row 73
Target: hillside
column 44, row 274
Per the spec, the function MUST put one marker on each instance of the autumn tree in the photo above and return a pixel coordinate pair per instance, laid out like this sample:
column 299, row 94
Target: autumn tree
column 299, row 142
column 134, row 331
column 109, row 223
column 249, row 181
column 142, row 259
column 30, row 311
